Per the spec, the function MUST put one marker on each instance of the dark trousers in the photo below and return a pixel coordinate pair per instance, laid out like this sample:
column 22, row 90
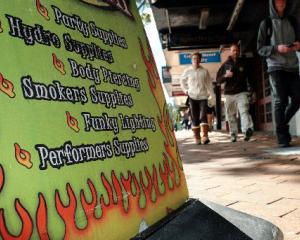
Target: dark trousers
column 284, row 85
column 198, row 111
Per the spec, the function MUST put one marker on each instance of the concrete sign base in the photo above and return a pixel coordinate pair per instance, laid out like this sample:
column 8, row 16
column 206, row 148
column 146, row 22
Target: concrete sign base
column 197, row 220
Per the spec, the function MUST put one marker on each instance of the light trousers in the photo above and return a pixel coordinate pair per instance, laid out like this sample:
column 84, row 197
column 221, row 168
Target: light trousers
column 238, row 103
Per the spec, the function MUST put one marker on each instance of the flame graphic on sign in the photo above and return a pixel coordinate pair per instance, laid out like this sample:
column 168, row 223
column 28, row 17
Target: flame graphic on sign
column 58, row 64
column 1, row 29
column 2, row 177
column 42, row 218
column 42, row 10
column 116, row 186
column 164, row 120
column 23, row 157
column 122, row 186
column 72, row 122
column 7, row 87
column 27, row 225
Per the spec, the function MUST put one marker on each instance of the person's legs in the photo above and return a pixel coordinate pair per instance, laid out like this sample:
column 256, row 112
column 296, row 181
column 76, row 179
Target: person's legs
column 213, row 117
column 246, row 119
column 203, row 111
column 294, row 93
column 279, row 87
column 195, row 115
column 203, row 122
column 231, row 110
column 185, row 123
column 210, row 118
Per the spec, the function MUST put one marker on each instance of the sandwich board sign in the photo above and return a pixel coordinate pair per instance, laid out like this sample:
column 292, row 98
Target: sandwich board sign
column 87, row 146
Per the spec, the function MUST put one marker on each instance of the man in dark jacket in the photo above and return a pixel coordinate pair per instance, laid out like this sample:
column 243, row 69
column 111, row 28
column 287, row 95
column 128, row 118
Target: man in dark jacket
column 278, row 41
column 234, row 73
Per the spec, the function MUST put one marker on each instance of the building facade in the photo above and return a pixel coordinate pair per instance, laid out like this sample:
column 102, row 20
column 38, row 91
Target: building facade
column 212, row 59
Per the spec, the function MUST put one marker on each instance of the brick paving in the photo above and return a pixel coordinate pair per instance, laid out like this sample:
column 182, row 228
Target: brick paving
column 252, row 177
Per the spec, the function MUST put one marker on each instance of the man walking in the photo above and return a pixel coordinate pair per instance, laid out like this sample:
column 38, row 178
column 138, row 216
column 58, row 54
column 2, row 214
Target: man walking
column 278, row 41
column 234, row 73
column 197, row 83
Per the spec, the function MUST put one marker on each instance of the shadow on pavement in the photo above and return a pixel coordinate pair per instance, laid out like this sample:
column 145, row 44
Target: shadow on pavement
column 255, row 157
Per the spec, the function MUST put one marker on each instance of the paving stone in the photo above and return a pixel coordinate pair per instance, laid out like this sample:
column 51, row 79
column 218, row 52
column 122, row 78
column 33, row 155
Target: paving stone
column 296, row 214
column 246, row 178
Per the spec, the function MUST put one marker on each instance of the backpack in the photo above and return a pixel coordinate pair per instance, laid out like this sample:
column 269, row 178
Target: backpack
column 269, row 27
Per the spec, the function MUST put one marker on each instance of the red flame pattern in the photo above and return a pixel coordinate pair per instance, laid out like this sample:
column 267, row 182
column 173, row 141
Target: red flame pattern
column 42, row 10
column 22, row 156
column 41, row 218
column 164, row 119
column 27, row 225
column 1, row 29
column 72, row 122
column 7, row 87
column 58, row 64
column 2, row 177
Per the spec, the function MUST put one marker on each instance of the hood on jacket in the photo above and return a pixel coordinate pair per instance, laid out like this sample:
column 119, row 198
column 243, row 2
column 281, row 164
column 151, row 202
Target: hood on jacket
column 290, row 4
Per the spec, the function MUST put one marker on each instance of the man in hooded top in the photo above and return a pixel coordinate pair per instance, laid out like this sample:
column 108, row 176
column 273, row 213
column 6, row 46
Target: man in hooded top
column 278, row 40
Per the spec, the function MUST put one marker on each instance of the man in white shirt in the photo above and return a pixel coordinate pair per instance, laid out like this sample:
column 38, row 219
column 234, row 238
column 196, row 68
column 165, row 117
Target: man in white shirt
column 196, row 82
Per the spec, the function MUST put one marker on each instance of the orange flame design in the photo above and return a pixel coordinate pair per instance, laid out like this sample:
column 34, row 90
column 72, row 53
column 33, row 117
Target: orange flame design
column 72, row 122
column 164, row 121
column 58, row 64
column 67, row 212
column 2, row 177
column 42, row 10
column 23, row 157
column 27, row 225
column 89, row 206
column 7, row 87
column 152, row 183
column 41, row 218
column 117, row 186
column 1, row 29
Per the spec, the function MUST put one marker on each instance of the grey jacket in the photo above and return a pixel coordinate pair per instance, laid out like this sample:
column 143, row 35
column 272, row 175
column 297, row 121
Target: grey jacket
column 282, row 33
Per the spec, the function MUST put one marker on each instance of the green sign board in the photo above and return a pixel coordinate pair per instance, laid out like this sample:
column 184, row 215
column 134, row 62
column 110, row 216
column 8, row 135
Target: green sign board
column 87, row 146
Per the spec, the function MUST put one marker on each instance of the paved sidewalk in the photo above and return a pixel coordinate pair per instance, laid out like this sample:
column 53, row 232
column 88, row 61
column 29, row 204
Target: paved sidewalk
column 254, row 177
